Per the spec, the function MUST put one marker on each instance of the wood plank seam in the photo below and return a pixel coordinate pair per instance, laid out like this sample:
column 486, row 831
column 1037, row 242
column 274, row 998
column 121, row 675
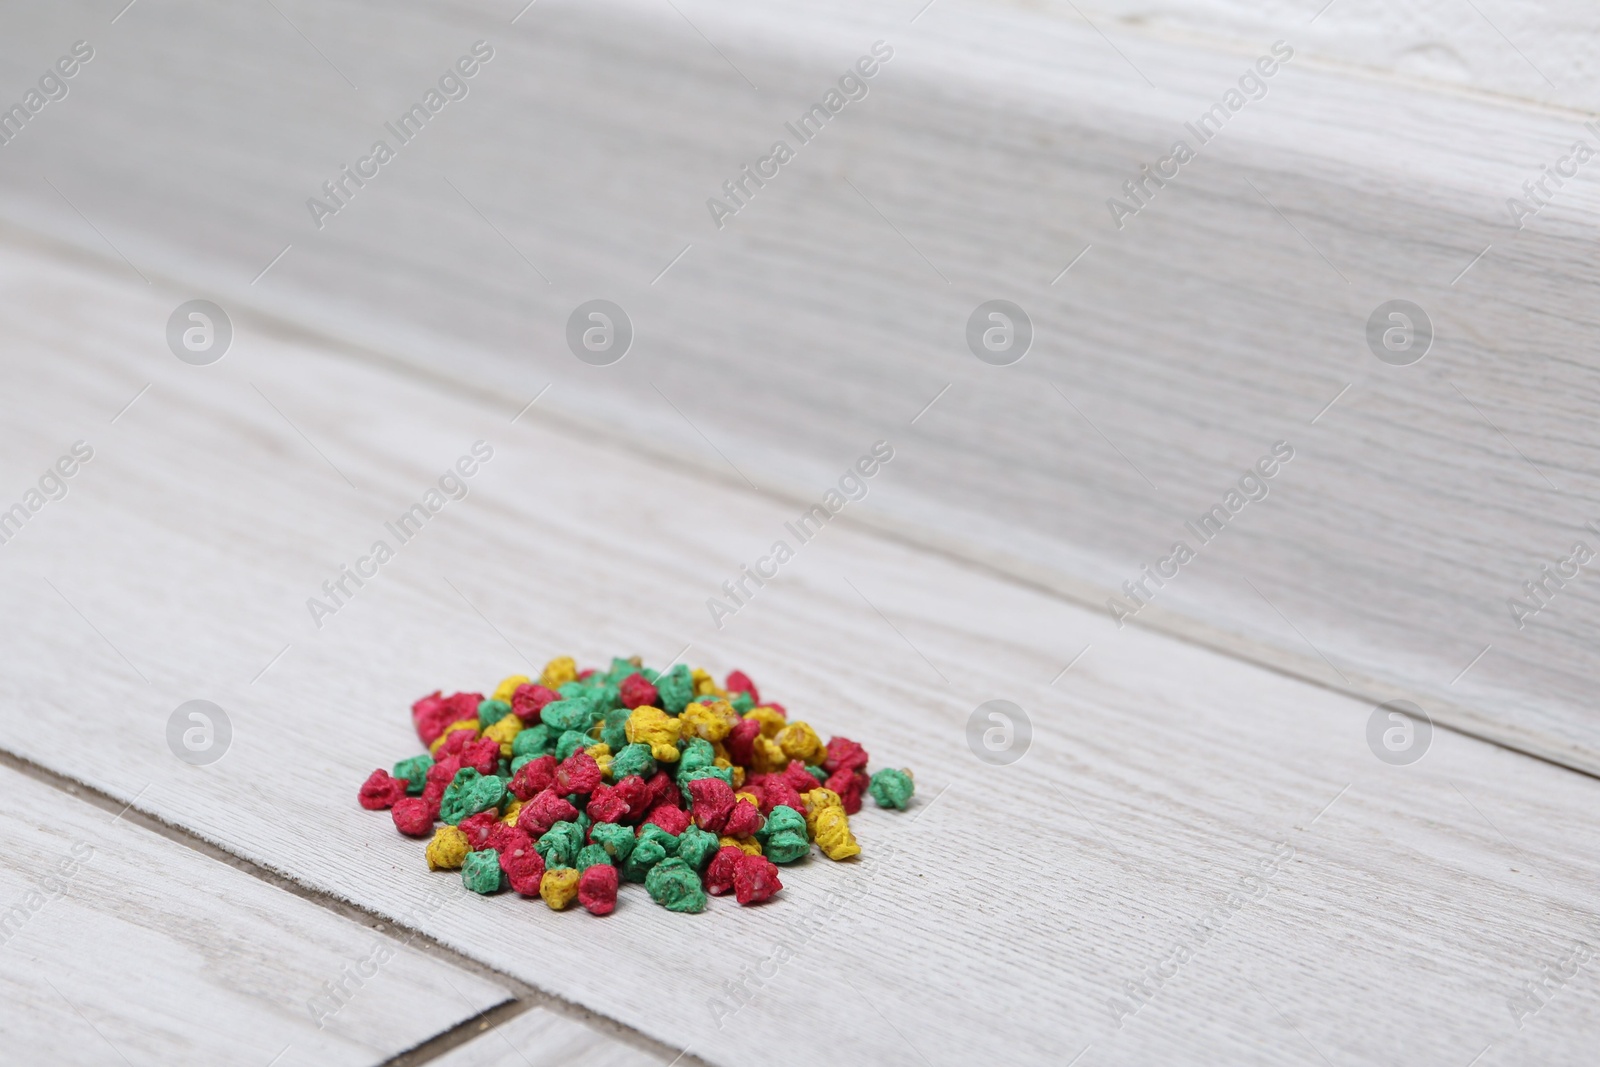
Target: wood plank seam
column 479, row 1024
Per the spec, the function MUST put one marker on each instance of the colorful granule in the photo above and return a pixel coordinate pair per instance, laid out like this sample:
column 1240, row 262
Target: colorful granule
column 566, row 787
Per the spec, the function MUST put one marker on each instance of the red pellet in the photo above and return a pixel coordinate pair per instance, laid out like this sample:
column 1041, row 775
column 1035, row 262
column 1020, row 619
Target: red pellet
column 482, row 755
column 380, row 791
column 663, row 790
column 719, row 873
column 528, row 700
column 774, row 789
column 455, row 744
column 413, row 817
column 755, row 878
column 478, row 828
column 636, row 792
column 741, row 740
column 503, row 838
column 597, row 889
column 639, row 692
column 434, row 712
column 739, row 682
column 850, row 785
column 578, row 773
column 713, row 803
column 844, row 755
column 585, row 673
column 799, row 779
column 544, row 811
column 671, row 818
column 607, row 804
column 524, row 869
column 744, row 820
column 533, row 777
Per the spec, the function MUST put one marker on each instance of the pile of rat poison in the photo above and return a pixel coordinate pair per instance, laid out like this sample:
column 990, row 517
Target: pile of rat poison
column 565, row 787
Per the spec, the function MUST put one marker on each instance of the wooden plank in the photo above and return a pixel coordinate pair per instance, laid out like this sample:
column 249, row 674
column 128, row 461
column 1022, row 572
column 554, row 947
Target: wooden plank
column 118, row 942
column 544, row 1038
column 1228, row 315
column 1531, row 51
column 1380, row 913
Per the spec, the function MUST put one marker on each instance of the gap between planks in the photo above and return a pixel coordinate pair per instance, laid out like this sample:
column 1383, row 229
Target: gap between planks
column 1191, row 631
column 526, row 997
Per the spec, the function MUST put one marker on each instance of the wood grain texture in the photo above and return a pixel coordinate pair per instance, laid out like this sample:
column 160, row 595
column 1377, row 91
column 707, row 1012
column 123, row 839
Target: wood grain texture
column 543, row 1038
column 1532, row 49
column 1377, row 914
column 120, row 945
column 1227, row 315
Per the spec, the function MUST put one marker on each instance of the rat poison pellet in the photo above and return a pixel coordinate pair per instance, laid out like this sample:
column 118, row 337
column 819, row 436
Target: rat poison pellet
column 567, row 787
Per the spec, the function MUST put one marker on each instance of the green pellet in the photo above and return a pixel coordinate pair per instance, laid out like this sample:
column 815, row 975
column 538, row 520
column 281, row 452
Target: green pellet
column 818, row 773
column 535, row 741
column 632, row 759
column 697, row 754
column 481, row 873
column 652, row 832
column 570, row 742
column 566, row 715
column 492, row 711
column 560, row 844
column 415, row 772
column 676, row 689
column 469, row 793
column 675, row 886
column 616, row 839
column 589, row 855
column 696, row 847
column 645, row 855
column 891, row 788
column 742, row 703
column 614, row 730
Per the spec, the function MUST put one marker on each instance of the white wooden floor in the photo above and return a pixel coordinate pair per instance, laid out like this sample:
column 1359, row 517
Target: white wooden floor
column 1358, row 912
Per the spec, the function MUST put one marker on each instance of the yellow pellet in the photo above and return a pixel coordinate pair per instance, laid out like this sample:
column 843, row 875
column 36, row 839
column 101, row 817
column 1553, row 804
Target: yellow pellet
column 508, row 686
column 750, row 846
column 512, row 811
column 766, row 756
column 817, row 800
column 833, row 834
column 799, row 741
column 771, row 722
column 704, row 720
column 704, row 684
column 504, row 731
column 559, row 887
column 447, row 849
column 654, row 727
column 559, row 671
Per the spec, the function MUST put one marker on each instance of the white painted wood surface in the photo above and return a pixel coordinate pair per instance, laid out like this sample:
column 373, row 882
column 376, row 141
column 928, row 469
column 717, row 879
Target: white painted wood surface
column 1533, row 49
column 544, row 1038
column 1225, row 316
column 122, row 946
column 1007, row 910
